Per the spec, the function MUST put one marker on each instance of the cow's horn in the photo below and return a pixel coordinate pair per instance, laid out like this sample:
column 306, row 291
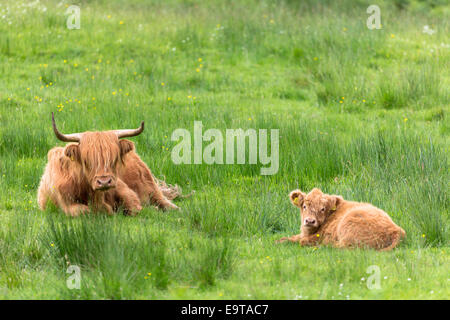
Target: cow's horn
column 74, row 137
column 130, row 132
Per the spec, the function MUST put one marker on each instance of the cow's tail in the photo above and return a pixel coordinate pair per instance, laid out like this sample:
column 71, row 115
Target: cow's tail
column 398, row 236
column 171, row 191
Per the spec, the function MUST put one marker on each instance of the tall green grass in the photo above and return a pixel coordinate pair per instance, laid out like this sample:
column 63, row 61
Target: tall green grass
column 360, row 113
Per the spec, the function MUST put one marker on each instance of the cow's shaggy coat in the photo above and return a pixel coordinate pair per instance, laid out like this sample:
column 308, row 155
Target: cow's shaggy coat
column 101, row 172
column 331, row 220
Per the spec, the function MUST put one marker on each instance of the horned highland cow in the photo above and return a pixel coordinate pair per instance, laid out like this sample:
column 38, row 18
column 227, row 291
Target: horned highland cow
column 102, row 171
column 331, row 220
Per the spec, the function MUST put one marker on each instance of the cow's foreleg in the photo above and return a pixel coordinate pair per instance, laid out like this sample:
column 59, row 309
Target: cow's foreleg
column 75, row 209
column 128, row 197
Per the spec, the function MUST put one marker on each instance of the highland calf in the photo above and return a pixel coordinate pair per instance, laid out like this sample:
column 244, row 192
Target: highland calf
column 331, row 220
column 102, row 172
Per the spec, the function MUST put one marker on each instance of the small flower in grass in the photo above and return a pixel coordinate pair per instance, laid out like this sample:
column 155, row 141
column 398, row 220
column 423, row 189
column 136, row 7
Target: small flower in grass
column 52, row 244
column 200, row 59
column 189, row 97
column 423, row 235
column 409, row 279
column 364, row 100
column 114, row 93
column 197, row 70
column 385, row 277
column 149, row 274
column 341, row 101
column 344, row 29
column 163, row 84
column 362, row 279
column 406, row 119
column 169, row 98
column 121, row 22
column 272, row 21
column 315, row 58
column 392, row 35
column 108, row 16
column 65, row 61
column 87, row 69
column 220, row 294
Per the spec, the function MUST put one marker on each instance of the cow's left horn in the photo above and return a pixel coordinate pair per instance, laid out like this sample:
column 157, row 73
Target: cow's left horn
column 74, row 137
column 130, row 132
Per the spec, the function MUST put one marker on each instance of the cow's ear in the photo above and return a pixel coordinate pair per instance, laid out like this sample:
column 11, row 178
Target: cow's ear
column 125, row 146
column 72, row 151
column 334, row 202
column 297, row 197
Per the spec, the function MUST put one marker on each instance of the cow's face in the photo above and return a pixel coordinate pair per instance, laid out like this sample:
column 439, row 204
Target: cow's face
column 100, row 155
column 315, row 207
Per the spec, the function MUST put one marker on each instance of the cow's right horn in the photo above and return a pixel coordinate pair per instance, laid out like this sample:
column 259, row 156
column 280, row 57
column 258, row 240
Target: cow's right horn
column 74, row 137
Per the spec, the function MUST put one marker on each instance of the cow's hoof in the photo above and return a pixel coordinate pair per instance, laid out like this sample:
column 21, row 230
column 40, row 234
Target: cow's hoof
column 170, row 206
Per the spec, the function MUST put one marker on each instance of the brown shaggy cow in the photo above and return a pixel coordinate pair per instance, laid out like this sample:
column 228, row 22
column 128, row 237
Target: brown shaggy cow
column 101, row 170
column 329, row 219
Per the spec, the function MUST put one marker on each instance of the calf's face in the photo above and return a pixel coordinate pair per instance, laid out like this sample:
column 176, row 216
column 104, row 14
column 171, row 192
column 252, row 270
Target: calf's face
column 100, row 155
column 315, row 207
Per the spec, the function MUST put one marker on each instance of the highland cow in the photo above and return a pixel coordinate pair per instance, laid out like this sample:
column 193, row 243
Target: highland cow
column 331, row 220
column 102, row 171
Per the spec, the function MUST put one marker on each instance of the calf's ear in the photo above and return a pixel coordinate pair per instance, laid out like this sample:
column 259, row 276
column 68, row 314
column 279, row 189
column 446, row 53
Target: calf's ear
column 72, row 151
column 125, row 146
column 334, row 202
column 297, row 197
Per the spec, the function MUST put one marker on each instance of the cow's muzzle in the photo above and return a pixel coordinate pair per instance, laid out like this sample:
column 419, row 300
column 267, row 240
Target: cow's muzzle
column 104, row 182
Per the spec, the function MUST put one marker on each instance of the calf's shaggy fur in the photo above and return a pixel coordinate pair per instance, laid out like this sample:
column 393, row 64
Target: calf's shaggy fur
column 331, row 220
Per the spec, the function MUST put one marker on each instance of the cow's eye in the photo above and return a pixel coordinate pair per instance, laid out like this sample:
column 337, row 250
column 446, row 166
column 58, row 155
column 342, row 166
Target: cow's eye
column 304, row 207
column 323, row 209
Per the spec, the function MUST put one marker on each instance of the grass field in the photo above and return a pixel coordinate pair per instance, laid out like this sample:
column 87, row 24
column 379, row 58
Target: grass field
column 361, row 113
